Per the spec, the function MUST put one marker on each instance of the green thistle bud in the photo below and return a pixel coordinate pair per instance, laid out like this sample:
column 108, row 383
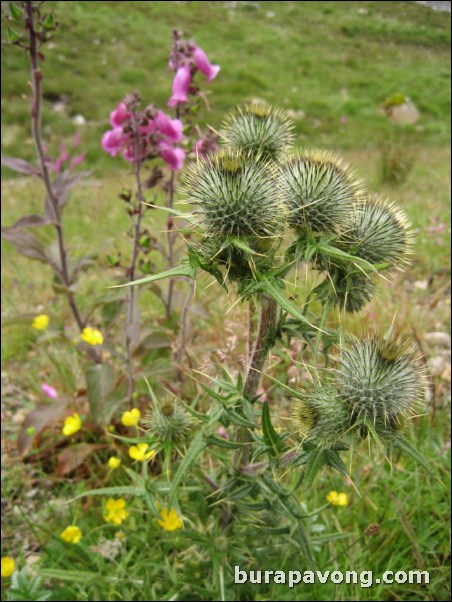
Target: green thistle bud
column 258, row 130
column 321, row 416
column 235, row 196
column 168, row 420
column 378, row 233
column 319, row 190
column 378, row 381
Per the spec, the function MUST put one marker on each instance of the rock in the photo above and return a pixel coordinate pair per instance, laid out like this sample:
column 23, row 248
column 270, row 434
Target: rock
column 438, row 339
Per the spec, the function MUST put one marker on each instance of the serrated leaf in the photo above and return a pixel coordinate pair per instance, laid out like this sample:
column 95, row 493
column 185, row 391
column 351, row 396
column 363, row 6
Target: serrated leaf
column 405, row 446
column 334, row 460
column 315, row 462
column 271, row 437
column 196, row 447
column 220, row 442
column 183, row 269
column 110, row 491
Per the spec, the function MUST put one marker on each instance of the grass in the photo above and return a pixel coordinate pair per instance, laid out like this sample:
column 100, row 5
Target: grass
column 327, row 59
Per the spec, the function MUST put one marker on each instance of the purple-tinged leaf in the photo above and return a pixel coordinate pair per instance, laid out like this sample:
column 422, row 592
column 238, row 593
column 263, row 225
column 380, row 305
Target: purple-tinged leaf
column 20, row 166
column 28, row 221
column 26, row 243
column 64, row 182
column 37, row 421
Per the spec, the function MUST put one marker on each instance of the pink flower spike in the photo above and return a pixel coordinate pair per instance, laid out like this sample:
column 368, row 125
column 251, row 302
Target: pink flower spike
column 204, row 65
column 174, row 157
column 76, row 161
column 57, row 165
column 119, row 115
column 114, row 141
column 171, row 128
column 181, row 85
column 76, row 139
column 147, row 129
column 49, row 391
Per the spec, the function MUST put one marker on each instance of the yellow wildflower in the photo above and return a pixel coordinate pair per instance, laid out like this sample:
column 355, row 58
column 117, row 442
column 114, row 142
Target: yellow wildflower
column 131, row 417
column 92, row 336
column 41, row 322
column 115, row 511
column 72, row 424
column 337, row 499
column 170, row 520
column 139, row 452
column 71, row 534
column 114, row 462
column 7, row 566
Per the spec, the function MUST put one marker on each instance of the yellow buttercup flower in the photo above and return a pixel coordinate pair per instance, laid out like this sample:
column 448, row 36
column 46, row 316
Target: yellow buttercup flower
column 7, row 566
column 115, row 511
column 337, row 499
column 72, row 424
column 139, row 452
column 92, row 336
column 71, row 534
column 170, row 520
column 41, row 322
column 114, row 462
column 131, row 417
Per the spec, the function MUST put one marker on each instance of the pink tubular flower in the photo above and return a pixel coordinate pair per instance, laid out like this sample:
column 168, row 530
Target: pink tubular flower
column 49, row 391
column 114, row 141
column 174, row 157
column 119, row 115
column 76, row 161
column 181, row 85
column 171, row 128
column 204, row 65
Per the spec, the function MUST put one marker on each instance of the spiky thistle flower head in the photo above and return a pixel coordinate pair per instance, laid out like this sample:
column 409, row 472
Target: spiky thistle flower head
column 235, row 196
column 378, row 381
column 378, row 232
column 319, row 190
column 258, row 130
column 168, row 420
column 321, row 416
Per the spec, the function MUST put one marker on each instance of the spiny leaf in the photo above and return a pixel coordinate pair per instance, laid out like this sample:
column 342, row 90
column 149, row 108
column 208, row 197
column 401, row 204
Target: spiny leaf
column 196, row 447
column 405, row 446
column 183, row 269
column 271, row 437
column 315, row 462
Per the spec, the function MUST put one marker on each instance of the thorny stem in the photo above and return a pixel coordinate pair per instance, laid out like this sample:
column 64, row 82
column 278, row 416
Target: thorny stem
column 264, row 338
column 183, row 323
column 135, row 244
column 53, row 199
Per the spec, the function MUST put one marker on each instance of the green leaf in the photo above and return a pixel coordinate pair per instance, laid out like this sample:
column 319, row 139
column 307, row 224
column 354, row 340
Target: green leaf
column 15, row 11
column 13, row 36
column 405, row 446
column 100, row 381
column 271, row 437
column 196, row 447
column 315, row 462
column 120, row 490
column 214, row 440
column 49, row 22
column 183, row 269
column 334, row 460
column 302, row 542
column 277, row 295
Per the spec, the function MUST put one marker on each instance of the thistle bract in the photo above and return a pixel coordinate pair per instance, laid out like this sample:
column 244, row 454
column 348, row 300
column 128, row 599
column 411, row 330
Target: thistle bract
column 235, row 196
column 377, row 232
column 378, row 381
column 321, row 416
column 258, row 130
column 320, row 192
column 349, row 289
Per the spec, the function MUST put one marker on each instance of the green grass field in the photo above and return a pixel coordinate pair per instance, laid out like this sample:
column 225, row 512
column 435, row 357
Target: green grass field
column 323, row 61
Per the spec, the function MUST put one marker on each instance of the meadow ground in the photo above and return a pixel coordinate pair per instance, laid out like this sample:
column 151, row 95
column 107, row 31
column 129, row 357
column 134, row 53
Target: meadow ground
column 331, row 65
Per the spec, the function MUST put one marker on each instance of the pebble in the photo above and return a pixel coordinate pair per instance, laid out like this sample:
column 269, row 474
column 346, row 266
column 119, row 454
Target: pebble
column 438, row 339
